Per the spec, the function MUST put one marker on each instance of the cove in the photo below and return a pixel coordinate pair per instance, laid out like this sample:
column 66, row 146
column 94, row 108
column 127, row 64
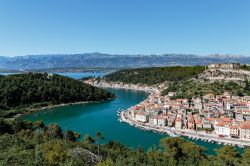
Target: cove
column 93, row 117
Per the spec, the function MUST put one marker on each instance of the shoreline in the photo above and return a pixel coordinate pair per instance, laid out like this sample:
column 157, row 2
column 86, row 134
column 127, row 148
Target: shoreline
column 114, row 85
column 30, row 111
column 171, row 131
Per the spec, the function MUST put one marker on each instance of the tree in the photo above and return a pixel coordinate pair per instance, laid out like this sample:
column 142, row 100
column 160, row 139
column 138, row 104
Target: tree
column 107, row 162
column 228, row 155
column 55, row 152
column 178, row 148
column 39, row 124
column 37, row 89
column 5, row 127
column 246, row 157
column 69, row 135
column 98, row 137
column 88, row 139
column 54, row 131
column 77, row 135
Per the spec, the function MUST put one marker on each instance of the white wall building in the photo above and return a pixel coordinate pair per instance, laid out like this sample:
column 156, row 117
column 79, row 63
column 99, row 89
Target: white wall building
column 221, row 129
column 162, row 120
column 141, row 117
column 153, row 120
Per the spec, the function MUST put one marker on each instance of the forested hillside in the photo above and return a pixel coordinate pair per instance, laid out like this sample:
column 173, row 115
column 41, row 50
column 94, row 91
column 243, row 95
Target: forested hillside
column 190, row 88
column 155, row 74
column 22, row 90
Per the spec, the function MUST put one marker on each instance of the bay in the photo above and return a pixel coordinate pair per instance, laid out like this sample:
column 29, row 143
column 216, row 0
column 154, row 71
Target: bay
column 102, row 117
column 93, row 117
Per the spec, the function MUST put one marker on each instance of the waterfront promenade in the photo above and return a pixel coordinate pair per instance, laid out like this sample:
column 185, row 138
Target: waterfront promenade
column 192, row 134
column 184, row 132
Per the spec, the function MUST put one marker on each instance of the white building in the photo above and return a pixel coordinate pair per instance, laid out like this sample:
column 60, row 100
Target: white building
column 222, row 129
column 245, row 130
column 153, row 120
column 141, row 117
column 162, row 120
column 228, row 106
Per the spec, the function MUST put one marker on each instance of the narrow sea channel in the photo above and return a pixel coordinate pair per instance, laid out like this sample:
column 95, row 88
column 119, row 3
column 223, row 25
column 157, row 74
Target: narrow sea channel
column 93, row 117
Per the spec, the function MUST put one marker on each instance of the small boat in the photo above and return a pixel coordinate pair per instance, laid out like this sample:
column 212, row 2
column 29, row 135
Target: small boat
column 173, row 134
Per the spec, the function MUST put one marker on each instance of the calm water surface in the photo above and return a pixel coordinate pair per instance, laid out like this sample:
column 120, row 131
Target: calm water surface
column 89, row 118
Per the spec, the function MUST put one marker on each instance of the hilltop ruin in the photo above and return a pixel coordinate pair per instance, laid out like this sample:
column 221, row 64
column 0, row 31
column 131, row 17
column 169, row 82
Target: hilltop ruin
column 224, row 72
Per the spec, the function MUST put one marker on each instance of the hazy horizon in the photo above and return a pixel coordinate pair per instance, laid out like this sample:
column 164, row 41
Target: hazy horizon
column 51, row 54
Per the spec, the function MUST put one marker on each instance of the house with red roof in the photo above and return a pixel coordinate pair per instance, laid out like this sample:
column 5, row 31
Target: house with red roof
column 222, row 129
column 178, row 123
column 153, row 120
column 245, row 130
column 234, row 130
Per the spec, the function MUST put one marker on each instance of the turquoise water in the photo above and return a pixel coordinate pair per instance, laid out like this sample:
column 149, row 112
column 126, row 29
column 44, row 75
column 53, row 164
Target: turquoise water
column 89, row 118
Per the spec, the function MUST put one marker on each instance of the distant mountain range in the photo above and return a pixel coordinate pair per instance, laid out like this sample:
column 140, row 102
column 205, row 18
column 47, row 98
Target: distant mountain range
column 99, row 60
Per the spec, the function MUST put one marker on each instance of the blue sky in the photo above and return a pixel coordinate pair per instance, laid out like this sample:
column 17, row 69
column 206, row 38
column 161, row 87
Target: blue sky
column 124, row 26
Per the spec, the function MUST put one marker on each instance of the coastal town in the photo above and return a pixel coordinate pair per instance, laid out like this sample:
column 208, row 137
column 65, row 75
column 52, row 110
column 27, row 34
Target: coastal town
column 221, row 118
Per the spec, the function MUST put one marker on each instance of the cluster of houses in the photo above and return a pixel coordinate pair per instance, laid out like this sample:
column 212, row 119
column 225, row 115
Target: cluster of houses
column 123, row 85
column 223, row 115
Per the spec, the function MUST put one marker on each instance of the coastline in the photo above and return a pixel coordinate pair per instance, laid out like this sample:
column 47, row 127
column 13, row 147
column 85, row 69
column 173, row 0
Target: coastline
column 104, row 84
column 185, row 133
column 171, row 131
column 30, row 111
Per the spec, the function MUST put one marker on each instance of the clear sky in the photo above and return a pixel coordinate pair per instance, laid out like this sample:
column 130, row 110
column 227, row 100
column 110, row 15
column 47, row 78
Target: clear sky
column 124, row 26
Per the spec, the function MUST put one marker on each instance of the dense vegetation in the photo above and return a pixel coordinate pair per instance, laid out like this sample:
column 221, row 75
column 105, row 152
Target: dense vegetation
column 155, row 75
column 22, row 90
column 191, row 88
column 26, row 143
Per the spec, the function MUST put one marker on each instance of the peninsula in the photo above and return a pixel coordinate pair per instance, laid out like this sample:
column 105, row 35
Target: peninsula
column 20, row 93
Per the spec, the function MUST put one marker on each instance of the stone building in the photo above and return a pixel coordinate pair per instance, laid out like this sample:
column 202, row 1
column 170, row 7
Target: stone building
column 245, row 130
column 227, row 66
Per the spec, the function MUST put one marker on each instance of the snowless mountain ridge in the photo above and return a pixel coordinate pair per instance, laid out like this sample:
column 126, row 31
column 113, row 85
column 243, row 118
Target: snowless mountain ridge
column 99, row 60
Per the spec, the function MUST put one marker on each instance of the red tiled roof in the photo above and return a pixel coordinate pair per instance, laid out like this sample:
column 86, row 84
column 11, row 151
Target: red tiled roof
column 243, row 103
column 245, row 125
column 221, row 124
column 233, row 127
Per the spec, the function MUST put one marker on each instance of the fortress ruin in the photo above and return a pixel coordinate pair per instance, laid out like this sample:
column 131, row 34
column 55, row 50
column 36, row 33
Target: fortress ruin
column 230, row 66
column 225, row 72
